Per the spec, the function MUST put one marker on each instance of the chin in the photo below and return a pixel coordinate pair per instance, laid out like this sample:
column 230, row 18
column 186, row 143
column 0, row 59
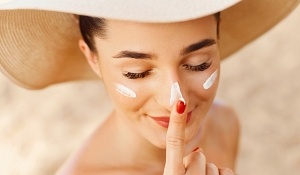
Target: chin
column 160, row 144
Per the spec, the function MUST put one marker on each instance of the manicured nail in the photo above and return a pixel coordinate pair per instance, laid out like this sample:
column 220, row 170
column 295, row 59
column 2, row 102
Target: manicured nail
column 180, row 106
column 196, row 149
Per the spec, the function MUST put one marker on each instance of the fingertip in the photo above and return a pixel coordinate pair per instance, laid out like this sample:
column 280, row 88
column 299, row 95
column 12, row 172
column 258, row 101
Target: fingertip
column 180, row 107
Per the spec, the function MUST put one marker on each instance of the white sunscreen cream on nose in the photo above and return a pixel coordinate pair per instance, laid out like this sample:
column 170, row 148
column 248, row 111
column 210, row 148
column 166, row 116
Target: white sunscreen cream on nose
column 210, row 80
column 125, row 91
column 175, row 93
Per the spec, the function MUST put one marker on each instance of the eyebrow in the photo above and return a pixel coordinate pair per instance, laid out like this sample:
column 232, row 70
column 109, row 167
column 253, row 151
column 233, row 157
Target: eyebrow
column 133, row 54
column 197, row 46
column 191, row 48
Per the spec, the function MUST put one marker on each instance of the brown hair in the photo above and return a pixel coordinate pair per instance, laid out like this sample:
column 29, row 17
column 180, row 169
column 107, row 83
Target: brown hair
column 92, row 26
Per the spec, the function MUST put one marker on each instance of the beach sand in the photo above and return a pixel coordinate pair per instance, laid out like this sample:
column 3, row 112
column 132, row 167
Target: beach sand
column 39, row 129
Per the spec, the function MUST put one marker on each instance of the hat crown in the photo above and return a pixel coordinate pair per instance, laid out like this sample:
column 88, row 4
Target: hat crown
column 134, row 10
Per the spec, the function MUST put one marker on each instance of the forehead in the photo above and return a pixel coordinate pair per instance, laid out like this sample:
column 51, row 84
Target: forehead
column 124, row 29
column 164, row 39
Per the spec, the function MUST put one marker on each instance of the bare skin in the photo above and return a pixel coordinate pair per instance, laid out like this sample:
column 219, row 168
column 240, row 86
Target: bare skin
column 148, row 58
column 219, row 143
column 221, row 136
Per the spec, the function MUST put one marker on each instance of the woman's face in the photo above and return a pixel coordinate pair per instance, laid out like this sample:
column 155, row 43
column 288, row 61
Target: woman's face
column 139, row 62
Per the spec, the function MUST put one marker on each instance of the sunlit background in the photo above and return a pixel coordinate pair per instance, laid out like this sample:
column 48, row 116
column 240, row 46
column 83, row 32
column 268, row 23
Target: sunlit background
column 39, row 129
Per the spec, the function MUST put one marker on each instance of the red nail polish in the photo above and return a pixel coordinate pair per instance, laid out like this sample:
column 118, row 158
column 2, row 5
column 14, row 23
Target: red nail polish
column 196, row 149
column 180, row 107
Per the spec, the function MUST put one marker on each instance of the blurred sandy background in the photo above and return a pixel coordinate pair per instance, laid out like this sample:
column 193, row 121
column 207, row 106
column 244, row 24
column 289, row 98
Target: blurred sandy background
column 39, row 129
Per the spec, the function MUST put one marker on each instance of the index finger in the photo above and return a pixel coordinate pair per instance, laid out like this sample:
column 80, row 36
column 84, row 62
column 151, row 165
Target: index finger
column 175, row 138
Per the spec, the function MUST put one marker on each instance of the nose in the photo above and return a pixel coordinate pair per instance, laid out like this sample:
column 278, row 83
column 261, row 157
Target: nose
column 175, row 93
column 169, row 92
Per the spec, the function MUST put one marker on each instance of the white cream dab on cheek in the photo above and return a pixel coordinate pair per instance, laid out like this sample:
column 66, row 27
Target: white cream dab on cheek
column 125, row 91
column 210, row 80
column 175, row 93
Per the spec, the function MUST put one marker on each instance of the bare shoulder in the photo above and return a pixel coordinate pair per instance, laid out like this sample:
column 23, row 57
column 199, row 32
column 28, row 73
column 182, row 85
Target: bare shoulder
column 221, row 133
column 223, row 117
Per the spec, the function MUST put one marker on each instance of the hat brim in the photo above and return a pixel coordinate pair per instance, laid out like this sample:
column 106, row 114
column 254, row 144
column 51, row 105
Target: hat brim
column 133, row 10
column 39, row 44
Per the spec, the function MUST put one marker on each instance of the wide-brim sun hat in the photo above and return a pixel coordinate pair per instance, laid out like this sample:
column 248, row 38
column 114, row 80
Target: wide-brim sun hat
column 39, row 38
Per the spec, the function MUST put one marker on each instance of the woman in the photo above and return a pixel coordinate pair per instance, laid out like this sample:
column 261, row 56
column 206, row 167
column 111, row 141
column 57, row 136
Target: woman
column 185, row 57
column 161, row 73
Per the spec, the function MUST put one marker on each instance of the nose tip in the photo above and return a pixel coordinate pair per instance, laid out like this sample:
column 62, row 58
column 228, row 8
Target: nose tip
column 175, row 93
column 169, row 94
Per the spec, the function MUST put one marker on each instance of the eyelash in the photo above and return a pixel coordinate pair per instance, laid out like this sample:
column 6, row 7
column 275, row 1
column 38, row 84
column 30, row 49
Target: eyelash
column 131, row 75
column 200, row 67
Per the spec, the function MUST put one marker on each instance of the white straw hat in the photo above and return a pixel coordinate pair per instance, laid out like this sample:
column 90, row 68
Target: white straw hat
column 38, row 38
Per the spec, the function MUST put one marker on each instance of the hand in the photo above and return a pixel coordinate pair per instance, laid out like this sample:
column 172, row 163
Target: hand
column 176, row 162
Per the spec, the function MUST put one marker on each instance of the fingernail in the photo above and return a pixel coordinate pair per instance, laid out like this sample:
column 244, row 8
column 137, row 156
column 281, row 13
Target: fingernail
column 180, row 107
column 195, row 149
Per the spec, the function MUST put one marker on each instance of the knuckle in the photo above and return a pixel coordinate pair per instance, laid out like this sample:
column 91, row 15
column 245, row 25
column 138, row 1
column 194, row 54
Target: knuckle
column 211, row 165
column 226, row 171
column 177, row 121
column 212, row 168
column 174, row 171
column 175, row 141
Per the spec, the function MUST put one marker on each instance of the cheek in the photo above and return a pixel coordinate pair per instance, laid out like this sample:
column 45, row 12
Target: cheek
column 204, row 87
column 127, row 97
column 125, row 94
column 210, row 81
column 123, row 90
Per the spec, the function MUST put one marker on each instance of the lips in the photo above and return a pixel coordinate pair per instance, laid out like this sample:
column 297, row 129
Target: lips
column 164, row 120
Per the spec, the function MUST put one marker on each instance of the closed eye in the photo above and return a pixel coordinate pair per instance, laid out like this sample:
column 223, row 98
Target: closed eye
column 131, row 75
column 200, row 67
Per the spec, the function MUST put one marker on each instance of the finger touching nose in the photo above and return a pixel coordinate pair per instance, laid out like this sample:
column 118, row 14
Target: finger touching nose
column 175, row 139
